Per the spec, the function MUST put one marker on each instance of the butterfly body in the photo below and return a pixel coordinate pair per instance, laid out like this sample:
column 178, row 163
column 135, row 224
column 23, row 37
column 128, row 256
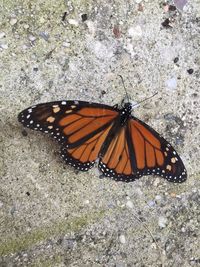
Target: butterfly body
column 125, row 113
column 126, row 147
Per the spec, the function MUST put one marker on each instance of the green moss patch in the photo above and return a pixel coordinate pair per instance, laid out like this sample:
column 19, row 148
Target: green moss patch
column 26, row 241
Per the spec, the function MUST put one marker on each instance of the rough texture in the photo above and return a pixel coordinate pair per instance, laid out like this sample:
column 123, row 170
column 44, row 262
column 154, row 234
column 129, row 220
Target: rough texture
column 53, row 50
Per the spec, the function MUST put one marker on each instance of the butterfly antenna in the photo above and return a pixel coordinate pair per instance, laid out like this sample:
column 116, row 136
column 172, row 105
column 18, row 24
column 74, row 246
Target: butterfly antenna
column 124, row 86
column 146, row 99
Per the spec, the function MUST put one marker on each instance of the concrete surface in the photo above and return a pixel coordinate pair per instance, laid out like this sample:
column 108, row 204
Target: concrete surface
column 51, row 215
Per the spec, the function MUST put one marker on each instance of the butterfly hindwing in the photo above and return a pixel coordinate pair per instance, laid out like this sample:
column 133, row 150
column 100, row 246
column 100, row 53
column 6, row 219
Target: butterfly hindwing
column 83, row 156
column 138, row 150
column 154, row 155
column 116, row 162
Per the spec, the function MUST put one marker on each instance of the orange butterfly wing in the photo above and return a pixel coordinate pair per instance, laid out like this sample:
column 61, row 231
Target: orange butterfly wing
column 160, row 157
column 127, row 149
column 138, row 150
column 81, row 127
column 116, row 161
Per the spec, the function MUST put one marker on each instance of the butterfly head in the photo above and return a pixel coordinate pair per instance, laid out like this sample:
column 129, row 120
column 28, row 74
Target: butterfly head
column 128, row 107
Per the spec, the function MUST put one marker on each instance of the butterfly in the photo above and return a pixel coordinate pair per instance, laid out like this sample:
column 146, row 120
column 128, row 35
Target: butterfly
column 125, row 147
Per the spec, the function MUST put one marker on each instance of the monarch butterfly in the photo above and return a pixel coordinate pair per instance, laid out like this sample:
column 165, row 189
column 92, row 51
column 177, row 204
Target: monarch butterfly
column 126, row 147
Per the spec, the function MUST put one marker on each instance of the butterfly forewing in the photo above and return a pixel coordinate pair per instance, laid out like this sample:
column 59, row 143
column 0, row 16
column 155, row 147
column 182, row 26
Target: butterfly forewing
column 81, row 127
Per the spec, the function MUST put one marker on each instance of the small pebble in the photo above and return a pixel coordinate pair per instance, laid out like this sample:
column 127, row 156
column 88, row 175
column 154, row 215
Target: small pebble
column 162, row 221
column 4, row 46
column 44, row 35
column 151, row 203
column 24, row 133
column 156, row 182
column 118, row 203
column 2, row 34
column 153, row 245
column 172, row 8
column 26, row 26
column 158, row 197
column 84, row 17
column 190, row 71
column 42, row 20
column 1, row 204
column 173, row 194
column 166, row 8
column 166, row 23
column 122, row 239
column 176, row 59
column 13, row 21
column 140, row 7
column 180, row 3
column 24, row 47
column 64, row 16
column 129, row 48
column 135, row 32
column 171, row 84
column 91, row 27
column 183, row 230
column 129, row 204
column 73, row 22
column 32, row 38
column 66, row 44
column 116, row 31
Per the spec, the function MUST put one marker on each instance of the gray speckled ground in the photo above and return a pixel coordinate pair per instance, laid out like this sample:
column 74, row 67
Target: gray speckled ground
column 52, row 216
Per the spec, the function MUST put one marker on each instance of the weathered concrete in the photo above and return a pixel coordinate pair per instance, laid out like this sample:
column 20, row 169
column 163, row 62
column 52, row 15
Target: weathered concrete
column 52, row 216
